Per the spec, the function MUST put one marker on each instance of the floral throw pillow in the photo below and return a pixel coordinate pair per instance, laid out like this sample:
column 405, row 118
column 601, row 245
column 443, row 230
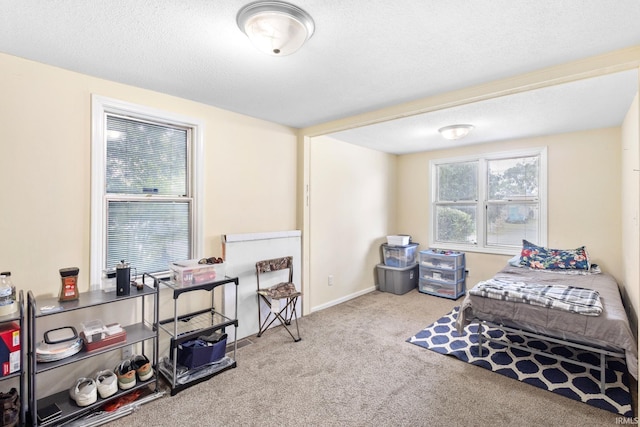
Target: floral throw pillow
column 539, row 257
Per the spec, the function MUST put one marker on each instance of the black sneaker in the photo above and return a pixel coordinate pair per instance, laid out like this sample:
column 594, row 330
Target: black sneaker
column 142, row 366
column 126, row 375
column 10, row 404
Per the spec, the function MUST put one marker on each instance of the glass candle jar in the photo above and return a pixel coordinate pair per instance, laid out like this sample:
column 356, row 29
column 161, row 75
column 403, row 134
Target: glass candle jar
column 69, row 289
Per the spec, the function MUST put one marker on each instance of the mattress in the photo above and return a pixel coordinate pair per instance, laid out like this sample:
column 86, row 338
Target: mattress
column 610, row 330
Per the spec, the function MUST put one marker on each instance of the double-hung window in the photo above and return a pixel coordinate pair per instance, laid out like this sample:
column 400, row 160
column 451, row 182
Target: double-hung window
column 489, row 203
column 145, row 188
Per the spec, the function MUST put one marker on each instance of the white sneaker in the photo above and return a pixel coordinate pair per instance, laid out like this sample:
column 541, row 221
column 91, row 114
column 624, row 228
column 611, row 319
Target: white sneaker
column 84, row 392
column 107, row 383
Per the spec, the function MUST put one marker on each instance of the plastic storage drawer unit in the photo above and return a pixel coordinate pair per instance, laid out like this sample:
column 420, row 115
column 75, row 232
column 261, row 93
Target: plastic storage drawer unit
column 399, row 256
column 448, row 260
column 397, row 280
column 432, row 287
column 442, row 275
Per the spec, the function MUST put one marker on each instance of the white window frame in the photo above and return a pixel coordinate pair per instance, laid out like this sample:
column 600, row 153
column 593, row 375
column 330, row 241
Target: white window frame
column 481, row 203
column 100, row 106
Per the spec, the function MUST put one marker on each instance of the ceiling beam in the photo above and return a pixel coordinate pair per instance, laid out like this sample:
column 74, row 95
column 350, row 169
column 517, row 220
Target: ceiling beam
column 612, row 62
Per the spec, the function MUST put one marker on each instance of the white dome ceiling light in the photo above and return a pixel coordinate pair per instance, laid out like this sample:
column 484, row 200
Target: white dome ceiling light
column 274, row 27
column 455, row 131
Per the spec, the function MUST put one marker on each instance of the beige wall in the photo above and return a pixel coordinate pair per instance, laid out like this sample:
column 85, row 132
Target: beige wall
column 583, row 203
column 45, row 150
column 358, row 196
column 352, row 209
column 45, row 146
column 630, row 280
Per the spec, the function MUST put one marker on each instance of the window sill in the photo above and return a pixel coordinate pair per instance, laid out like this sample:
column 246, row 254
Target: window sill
column 476, row 249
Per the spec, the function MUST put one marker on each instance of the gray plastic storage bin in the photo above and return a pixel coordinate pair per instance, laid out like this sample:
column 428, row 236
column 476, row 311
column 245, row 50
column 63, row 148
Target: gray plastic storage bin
column 397, row 280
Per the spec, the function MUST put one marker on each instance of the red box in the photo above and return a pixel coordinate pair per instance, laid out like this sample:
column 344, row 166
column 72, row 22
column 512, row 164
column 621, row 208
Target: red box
column 118, row 338
column 10, row 348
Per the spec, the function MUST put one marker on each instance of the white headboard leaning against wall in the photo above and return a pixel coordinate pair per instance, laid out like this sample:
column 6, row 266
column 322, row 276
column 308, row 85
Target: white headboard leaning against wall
column 241, row 252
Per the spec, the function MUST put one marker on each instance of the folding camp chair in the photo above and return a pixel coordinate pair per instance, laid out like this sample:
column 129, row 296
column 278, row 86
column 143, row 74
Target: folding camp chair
column 274, row 294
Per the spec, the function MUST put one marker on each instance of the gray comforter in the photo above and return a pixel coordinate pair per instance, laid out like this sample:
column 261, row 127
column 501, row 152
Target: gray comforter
column 610, row 329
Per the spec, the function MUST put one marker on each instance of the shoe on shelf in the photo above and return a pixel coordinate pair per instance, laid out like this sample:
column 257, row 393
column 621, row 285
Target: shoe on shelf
column 142, row 366
column 10, row 405
column 84, row 392
column 107, row 383
column 126, row 375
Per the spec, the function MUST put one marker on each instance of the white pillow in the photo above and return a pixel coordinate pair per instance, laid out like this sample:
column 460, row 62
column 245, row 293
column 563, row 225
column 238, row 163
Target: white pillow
column 515, row 261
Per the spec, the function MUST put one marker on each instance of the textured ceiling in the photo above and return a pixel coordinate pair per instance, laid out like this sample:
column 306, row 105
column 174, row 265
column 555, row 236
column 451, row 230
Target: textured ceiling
column 581, row 105
column 364, row 55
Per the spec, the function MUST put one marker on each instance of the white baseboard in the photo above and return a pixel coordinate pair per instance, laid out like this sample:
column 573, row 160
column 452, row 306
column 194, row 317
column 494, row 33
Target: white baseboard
column 343, row 299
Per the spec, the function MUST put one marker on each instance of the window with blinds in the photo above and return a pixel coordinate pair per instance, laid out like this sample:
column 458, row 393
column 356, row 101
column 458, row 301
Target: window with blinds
column 147, row 194
column 490, row 202
column 146, row 175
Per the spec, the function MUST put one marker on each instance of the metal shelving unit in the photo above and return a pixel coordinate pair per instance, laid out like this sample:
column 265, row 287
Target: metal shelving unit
column 184, row 327
column 141, row 332
column 18, row 317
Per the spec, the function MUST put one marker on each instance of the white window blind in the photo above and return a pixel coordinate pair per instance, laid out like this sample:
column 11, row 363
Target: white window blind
column 146, row 158
column 147, row 234
column 149, row 160
column 145, row 188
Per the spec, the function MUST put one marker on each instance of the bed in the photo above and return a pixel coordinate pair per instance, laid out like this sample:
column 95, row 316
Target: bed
column 607, row 334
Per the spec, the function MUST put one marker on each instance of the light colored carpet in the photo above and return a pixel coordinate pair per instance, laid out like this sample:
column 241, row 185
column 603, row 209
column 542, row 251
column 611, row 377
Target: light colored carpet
column 354, row 367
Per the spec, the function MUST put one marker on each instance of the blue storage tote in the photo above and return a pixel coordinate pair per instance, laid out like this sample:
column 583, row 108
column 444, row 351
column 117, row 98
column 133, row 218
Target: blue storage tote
column 399, row 256
column 196, row 353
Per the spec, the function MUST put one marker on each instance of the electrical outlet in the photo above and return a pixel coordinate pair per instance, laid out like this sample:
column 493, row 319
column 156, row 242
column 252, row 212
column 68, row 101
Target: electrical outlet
column 330, row 280
column 127, row 352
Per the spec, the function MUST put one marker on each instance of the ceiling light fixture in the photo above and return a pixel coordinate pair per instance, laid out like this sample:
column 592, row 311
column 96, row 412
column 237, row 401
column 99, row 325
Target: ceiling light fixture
column 274, row 27
column 455, row 131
